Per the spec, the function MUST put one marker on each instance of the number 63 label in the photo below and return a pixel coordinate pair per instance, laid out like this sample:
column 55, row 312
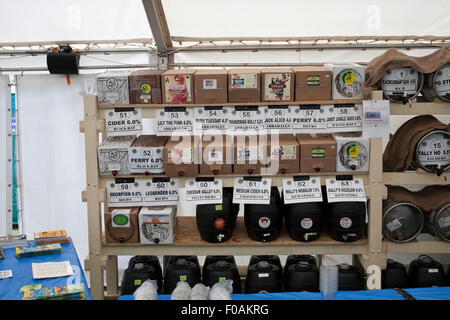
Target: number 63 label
column 345, row 190
column 203, row 192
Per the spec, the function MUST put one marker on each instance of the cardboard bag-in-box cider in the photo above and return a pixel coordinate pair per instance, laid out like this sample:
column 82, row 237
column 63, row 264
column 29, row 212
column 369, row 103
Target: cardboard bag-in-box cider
column 113, row 87
column 348, row 80
column 217, row 154
column 121, row 225
column 157, row 225
column 178, row 86
column 317, row 153
column 284, row 154
column 145, row 86
column 277, row 84
column 147, row 154
column 211, row 86
column 113, row 155
column 244, row 85
column 250, row 154
column 181, row 157
column 312, row 83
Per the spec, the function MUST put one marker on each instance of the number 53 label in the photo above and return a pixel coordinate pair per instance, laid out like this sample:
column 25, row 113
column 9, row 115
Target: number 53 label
column 203, row 191
column 174, row 119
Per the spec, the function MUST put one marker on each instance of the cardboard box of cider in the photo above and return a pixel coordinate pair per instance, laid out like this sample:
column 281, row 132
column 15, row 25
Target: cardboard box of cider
column 146, row 154
column 277, row 84
column 157, row 225
column 113, row 155
column 121, row 225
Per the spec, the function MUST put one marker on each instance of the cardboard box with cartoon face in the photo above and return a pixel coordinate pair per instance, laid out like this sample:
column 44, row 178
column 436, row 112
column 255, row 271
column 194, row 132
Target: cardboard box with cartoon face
column 178, row 86
column 277, row 84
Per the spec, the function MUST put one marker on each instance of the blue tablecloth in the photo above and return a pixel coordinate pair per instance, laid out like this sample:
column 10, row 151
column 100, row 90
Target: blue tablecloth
column 23, row 275
column 441, row 293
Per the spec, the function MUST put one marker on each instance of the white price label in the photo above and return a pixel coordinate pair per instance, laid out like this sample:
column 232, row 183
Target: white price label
column 203, row 192
column 278, row 117
column 174, row 119
column 146, row 159
column 161, row 192
column 245, row 118
column 124, row 192
column 345, row 190
column 309, row 118
column 252, row 190
column 123, row 121
column 212, row 118
column 344, row 117
column 299, row 190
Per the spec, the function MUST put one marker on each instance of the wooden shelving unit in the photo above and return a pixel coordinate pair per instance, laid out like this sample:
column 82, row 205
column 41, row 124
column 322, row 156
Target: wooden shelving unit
column 371, row 250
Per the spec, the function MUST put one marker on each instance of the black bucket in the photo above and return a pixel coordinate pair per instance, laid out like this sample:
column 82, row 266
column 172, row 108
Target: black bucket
column 346, row 220
column 152, row 261
column 213, row 259
column 264, row 221
column 222, row 270
column 272, row 259
column 426, row 272
column 304, row 221
column 181, row 270
column 263, row 277
column 293, row 259
column 215, row 222
column 133, row 277
column 394, row 276
column 301, row 276
column 350, row 278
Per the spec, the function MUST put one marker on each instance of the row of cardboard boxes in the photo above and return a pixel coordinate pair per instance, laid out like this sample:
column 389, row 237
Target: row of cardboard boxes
column 226, row 154
column 304, row 83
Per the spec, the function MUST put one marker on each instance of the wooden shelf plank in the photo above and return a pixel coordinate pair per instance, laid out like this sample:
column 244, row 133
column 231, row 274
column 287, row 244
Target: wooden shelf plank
column 189, row 242
column 415, row 178
column 420, row 108
column 261, row 103
column 416, row 246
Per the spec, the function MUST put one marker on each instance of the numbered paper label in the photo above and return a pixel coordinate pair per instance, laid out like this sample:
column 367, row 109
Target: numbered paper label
column 344, row 117
column 203, row 192
column 245, row 118
column 252, row 191
column 161, row 192
column 212, row 118
column 123, row 121
column 345, row 190
column 277, row 117
column 174, row 119
column 302, row 190
column 124, row 193
column 309, row 118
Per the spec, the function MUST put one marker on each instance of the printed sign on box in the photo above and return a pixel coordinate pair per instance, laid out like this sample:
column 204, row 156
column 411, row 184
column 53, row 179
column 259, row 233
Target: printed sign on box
column 174, row 119
column 203, row 191
column 123, row 121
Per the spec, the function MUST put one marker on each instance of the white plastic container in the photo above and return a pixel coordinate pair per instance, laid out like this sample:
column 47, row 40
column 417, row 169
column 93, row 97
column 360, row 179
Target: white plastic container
column 157, row 225
column 328, row 282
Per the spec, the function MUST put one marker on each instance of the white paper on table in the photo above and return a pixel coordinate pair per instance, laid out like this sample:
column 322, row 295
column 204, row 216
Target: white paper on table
column 6, row 274
column 51, row 269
